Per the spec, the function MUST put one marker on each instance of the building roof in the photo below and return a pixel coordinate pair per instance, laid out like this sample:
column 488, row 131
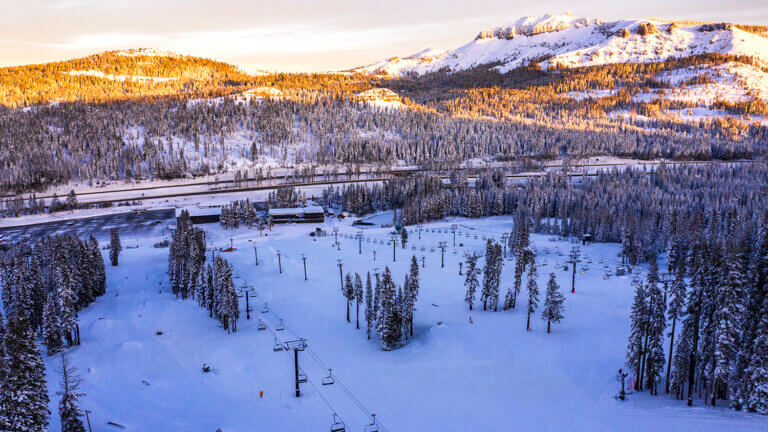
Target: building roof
column 295, row 211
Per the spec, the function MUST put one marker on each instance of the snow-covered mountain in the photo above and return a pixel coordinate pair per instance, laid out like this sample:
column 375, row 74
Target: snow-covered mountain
column 568, row 41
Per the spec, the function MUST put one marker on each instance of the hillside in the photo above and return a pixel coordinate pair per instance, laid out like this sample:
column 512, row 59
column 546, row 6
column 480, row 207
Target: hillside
column 117, row 75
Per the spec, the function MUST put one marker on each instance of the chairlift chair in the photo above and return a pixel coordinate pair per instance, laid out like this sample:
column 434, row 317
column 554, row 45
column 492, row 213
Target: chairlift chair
column 265, row 308
column 338, row 425
column 373, row 427
column 280, row 326
column 302, row 377
column 278, row 346
column 262, row 325
column 329, row 379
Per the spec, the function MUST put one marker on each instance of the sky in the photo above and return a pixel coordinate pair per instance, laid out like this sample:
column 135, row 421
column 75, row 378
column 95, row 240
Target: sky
column 301, row 35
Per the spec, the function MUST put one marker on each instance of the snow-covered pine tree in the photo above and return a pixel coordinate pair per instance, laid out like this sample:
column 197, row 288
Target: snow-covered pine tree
column 69, row 410
column 409, row 300
column 413, row 292
column 403, row 237
column 470, row 279
column 377, row 300
column 491, row 276
column 677, row 297
column 638, row 320
column 100, row 271
column 358, row 298
column 348, row 292
column 370, row 315
column 23, row 391
column 389, row 326
column 757, row 372
column 657, row 322
column 533, row 292
column 67, row 300
column 552, row 312
column 114, row 246
column 728, row 317
column 51, row 328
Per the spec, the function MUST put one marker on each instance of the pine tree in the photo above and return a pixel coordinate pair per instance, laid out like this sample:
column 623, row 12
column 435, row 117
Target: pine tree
column 553, row 303
column 637, row 335
column 533, row 293
column 676, row 305
column 370, row 315
column 656, row 324
column 728, row 315
column 23, row 392
column 389, row 326
column 114, row 246
column 4, row 420
column 470, row 280
column 349, row 292
column 413, row 291
column 358, row 298
column 757, row 372
column 491, row 275
column 403, row 237
column 51, row 328
column 69, row 411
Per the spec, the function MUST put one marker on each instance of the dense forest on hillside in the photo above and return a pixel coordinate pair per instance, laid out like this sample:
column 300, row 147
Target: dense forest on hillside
column 174, row 127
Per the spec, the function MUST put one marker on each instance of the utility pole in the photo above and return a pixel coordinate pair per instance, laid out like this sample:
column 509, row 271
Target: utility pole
column 304, row 258
column 423, row 264
column 336, row 235
column 442, row 254
column 419, row 228
column 460, row 264
column 256, row 254
column 374, row 255
column 453, row 230
column 279, row 262
column 341, row 275
column 394, row 247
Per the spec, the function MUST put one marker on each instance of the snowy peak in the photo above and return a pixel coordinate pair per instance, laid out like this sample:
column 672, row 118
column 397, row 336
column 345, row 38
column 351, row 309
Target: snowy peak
column 568, row 41
column 532, row 25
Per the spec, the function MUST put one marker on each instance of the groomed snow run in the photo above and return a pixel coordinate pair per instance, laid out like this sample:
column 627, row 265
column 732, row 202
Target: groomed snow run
column 488, row 376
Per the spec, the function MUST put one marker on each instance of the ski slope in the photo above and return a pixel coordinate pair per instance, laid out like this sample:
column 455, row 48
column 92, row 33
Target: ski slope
column 488, row 376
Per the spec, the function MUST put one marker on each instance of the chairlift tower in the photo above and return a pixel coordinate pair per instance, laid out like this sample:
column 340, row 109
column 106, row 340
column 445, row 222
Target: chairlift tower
column 442, row 253
column 296, row 345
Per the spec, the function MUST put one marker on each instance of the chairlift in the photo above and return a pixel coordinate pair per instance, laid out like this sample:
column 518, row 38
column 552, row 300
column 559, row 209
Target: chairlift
column 278, row 346
column 262, row 325
column 302, row 377
column 338, row 425
column 329, row 379
column 265, row 308
column 280, row 326
column 373, row 427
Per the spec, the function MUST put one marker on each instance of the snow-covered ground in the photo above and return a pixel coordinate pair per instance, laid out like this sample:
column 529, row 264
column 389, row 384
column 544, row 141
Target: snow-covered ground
column 488, row 376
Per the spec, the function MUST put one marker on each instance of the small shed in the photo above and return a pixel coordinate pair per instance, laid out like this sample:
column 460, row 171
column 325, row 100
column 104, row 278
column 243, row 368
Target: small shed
column 200, row 215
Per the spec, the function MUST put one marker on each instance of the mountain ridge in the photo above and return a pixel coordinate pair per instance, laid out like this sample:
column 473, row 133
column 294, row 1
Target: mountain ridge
column 553, row 41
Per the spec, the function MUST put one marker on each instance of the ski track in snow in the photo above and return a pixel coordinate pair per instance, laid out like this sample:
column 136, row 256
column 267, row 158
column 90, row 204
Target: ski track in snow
column 490, row 376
